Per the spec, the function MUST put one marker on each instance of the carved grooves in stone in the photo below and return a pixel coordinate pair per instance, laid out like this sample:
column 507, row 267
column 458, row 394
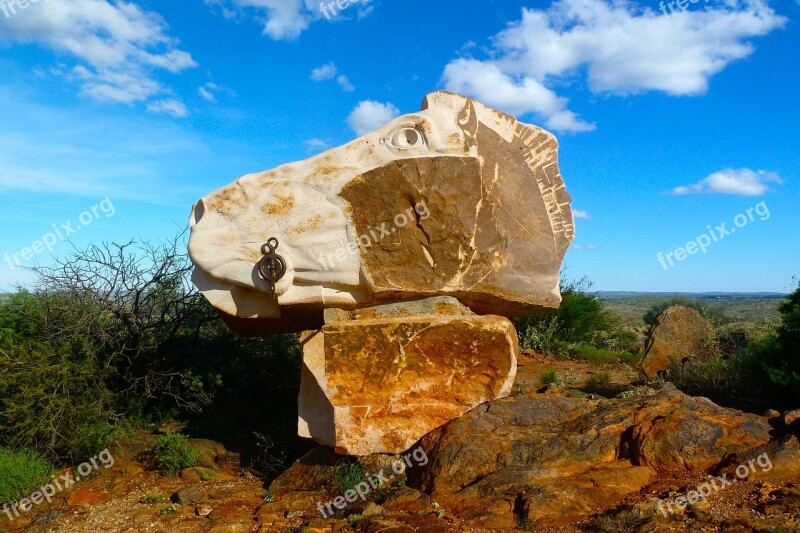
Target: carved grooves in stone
column 541, row 157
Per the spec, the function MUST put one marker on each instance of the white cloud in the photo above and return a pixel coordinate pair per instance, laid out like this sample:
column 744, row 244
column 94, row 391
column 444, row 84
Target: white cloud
column 588, row 247
column 315, row 145
column 619, row 47
column 345, row 84
column 369, row 115
column 209, row 90
column 206, row 94
column 285, row 19
column 168, row 106
column 577, row 213
column 743, row 182
column 326, row 72
column 282, row 19
column 329, row 71
column 488, row 83
column 117, row 46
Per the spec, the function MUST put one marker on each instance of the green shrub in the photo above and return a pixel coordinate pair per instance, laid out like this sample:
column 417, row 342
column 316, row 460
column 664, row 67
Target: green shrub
column 598, row 381
column 538, row 332
column 620, row 339
column 169, row 511
column 580, row 318
column 115, row 336
column 106, row 334
column 549, row 378
column 710, row 376
column 173, row 453
column 347, row 475
column 21, row 473
column 774, row 362
column 782, row 356
column 54, row 376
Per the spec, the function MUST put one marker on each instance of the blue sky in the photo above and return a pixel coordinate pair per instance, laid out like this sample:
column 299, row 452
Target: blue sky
column 668, row 124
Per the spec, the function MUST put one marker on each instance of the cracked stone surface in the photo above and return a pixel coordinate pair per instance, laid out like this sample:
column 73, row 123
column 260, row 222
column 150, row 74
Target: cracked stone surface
column 455, row 200
column 378, row 385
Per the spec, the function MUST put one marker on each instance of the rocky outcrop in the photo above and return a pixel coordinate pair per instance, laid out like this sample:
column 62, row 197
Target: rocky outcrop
column 530, row 462
column 458, row 200
column 549, row 460
column 680, row 333
column 542, row 460
column 380, row 379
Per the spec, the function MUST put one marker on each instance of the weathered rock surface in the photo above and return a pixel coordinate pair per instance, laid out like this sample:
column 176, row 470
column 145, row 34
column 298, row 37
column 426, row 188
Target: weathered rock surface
column 87, row 496
column 188, row 496
column 458, row 200
column 551, row 460
column 378, row 385
column 680, row 333
column 791, row 419
column 766, row 500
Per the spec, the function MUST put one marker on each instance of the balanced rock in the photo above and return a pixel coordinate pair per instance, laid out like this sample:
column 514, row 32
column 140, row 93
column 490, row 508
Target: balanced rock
column 680, row 333
column 458, row 200
column 379, row 384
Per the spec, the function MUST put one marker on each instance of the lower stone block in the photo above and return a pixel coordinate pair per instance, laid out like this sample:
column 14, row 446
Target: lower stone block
column 378, row 385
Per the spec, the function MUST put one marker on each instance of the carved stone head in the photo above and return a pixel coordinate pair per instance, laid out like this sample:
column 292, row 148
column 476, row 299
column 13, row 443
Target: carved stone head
column 458, row 200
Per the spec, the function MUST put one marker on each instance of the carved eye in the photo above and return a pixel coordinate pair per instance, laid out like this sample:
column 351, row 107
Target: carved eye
column 407, row 138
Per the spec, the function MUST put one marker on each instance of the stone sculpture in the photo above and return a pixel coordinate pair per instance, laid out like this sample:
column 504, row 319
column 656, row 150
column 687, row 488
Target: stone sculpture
column 458, row 203
column 487, row 220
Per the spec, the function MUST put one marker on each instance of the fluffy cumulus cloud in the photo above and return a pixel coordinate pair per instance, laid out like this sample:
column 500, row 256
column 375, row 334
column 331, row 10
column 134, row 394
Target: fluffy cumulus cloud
column 369, row 115
column 619, row 47
column 117, row 47
column 743, row 182
column 287, row 19
column 577, row 213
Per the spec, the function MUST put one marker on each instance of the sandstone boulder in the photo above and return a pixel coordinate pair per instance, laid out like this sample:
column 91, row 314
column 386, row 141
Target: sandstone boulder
column 378, row 385
column 680, row 333
column 458, row 200
column 549, row 460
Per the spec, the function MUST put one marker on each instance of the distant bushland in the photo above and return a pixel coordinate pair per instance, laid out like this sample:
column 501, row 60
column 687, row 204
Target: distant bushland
column 715, row 314
column 581, row 327
column 749, row 371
